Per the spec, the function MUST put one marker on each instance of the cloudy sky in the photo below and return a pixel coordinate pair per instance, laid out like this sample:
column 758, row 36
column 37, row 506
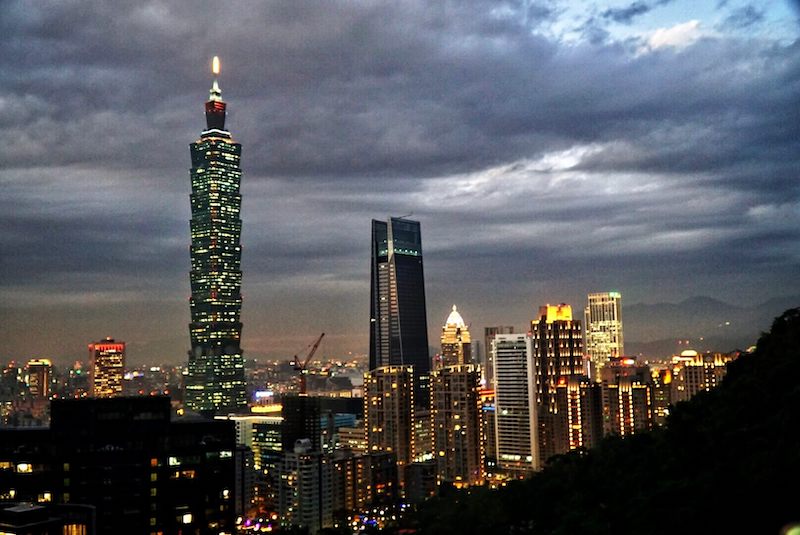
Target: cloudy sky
column 548, row 147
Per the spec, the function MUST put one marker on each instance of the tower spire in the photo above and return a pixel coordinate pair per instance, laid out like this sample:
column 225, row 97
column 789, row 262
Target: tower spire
column 215, row 107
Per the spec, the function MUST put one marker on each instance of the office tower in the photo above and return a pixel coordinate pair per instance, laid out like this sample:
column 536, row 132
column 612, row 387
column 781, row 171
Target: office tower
column 603, row 325
column 398, row 321
column 580, row 414
column 515, row 404
column 456, row 347
column 107, row 359
column 627, row 397
column 125, row 458
column 215, row 380
column 457, row 424
column 694, row 372
column 389, row 412
column 488, row 361
column 39, row 373
column 557, row 352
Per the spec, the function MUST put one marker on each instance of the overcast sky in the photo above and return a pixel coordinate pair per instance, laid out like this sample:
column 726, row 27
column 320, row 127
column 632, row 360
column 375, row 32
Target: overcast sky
column 549, row 148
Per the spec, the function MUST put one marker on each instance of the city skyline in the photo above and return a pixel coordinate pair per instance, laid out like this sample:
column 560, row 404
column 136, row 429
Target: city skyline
column 547, row 153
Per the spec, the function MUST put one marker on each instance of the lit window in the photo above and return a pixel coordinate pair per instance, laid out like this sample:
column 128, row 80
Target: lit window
column 187, row 518
column 24, row 468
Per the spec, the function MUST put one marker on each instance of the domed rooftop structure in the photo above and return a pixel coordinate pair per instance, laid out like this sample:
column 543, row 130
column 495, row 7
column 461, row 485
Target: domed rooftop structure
column 455, row 319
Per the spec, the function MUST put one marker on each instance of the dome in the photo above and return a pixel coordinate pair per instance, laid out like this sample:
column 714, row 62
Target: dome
column 455, row 318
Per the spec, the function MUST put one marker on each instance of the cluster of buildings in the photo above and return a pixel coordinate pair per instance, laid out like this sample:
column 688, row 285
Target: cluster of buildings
column 221, row 462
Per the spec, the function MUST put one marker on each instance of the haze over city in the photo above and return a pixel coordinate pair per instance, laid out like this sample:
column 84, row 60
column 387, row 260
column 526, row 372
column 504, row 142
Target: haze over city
column 547, row 149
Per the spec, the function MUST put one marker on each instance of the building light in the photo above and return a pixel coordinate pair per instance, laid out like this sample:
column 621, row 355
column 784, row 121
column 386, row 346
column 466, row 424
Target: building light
column 24, row 468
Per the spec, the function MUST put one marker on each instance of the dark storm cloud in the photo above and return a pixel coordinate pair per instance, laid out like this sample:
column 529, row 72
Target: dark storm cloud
column 625, row 15
column 539, row 169
column 743, row 17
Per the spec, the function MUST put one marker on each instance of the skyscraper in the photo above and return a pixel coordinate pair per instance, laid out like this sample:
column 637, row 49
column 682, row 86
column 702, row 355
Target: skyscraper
column 107, row 359
column 488, row 360
column 603, row 318
column 389, row 413
column 457, row 424
column 515, row 403
column 557, row 353
column 215, row 380
column 398, row 321
column 456, row 342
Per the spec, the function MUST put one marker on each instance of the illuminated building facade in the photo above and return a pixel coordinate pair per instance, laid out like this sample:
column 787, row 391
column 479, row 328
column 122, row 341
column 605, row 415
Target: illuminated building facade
column 39, row 376
column 305, row 494
column 107, row 359
column 694, row 372
column 627, row 397
column 398, row 321
column 353, row 439
column 456, row 411
column 515, row 416
column 557, row 352
column 456, row 342
column 215, row 380
column 389, row 412
column 361, row 481
column 579, row 420
column 603, row 322
column 662, row 394
column 488, row 360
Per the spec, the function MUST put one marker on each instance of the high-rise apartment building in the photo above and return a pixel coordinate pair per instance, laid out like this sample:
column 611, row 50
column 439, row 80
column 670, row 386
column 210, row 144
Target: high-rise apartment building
column 389, row 412
column 398, row 321
column 488, row 357
column 456, row 342
column 579, row 420
column 603, row 323
column 305, row 493
column 39, row 375
column 515, row 404
column 557, row 353
column 107, row 359
column 627, row 397
column 215, row 380
column 458, row 439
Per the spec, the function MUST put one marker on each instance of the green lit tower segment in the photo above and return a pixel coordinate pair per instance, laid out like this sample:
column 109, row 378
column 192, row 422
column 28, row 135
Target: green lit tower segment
column 215, row 382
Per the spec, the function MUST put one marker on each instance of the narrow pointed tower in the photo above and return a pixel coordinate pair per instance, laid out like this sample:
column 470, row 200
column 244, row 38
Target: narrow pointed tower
column 215, row 382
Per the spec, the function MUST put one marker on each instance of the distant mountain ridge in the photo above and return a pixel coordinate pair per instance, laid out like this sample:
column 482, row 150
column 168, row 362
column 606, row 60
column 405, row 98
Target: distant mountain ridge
column 654, row 330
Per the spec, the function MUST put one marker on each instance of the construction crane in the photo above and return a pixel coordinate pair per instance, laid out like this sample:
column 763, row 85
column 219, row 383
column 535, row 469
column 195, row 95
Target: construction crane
column 302, row 367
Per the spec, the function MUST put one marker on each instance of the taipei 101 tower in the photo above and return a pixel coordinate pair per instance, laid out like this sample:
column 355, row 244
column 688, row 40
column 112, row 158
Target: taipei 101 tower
column 215, row 382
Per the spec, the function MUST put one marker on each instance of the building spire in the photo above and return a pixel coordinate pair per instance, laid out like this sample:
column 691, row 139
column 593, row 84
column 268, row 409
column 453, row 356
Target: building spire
column 215, row 107
column 216, row 93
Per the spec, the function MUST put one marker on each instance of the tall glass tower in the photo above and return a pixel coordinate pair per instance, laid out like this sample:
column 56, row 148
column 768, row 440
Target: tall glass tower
column 398, row 322
column 215, row 382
